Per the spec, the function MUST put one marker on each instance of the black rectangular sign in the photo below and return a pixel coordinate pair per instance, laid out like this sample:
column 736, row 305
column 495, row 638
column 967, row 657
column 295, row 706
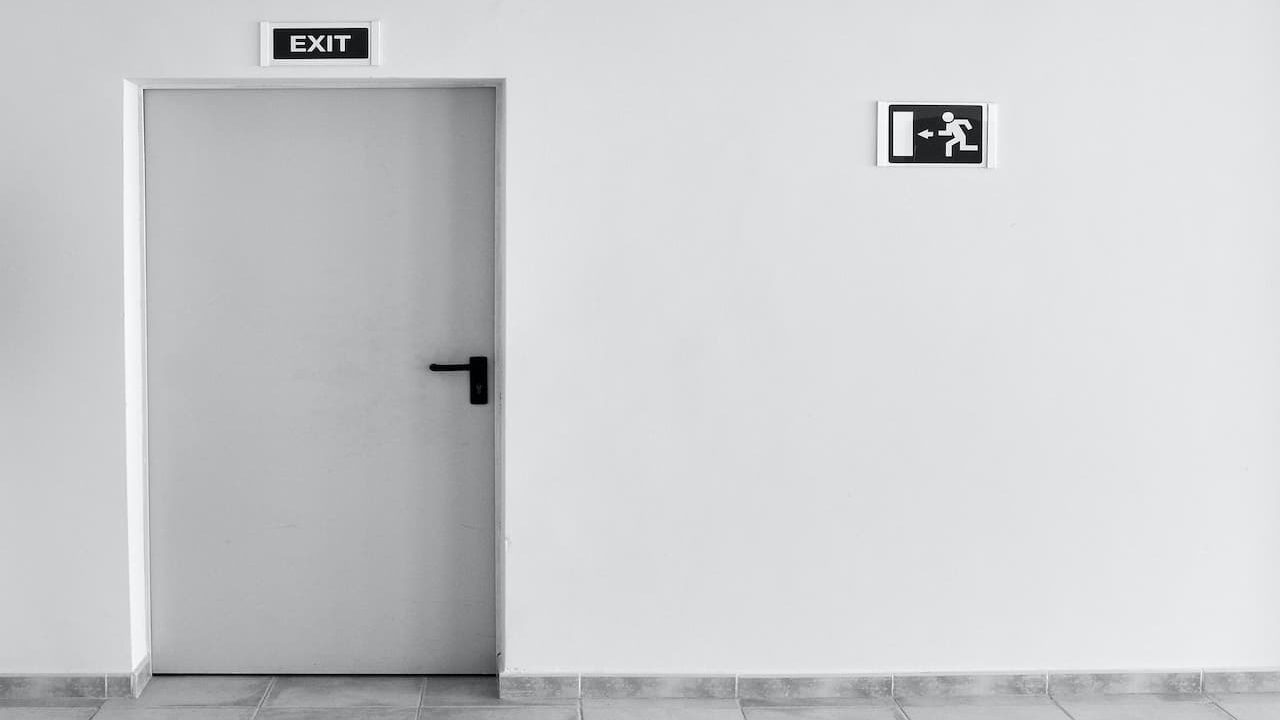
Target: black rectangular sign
column 320, row 43
column 935, row 134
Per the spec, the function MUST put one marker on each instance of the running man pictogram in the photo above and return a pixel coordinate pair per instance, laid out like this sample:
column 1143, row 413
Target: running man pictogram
column 956, row 131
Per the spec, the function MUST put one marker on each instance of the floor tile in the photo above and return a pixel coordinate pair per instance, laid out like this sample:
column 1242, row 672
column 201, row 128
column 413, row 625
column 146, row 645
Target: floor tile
column 448, row 690
column 476, row 690
column 983, row 708
column 506, row 712
column 1251, row 706
column 850, row 711
column 11, row 712
column 173, row 713
column 1142, row 707
column 322, row 691
column 674, row 709
column 203, row 690
column 351, row 713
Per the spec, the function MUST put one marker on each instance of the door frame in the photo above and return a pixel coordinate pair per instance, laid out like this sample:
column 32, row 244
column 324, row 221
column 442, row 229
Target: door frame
column 135, row 315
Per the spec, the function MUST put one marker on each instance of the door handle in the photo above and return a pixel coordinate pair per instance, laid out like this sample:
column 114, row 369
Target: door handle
column 478, row 368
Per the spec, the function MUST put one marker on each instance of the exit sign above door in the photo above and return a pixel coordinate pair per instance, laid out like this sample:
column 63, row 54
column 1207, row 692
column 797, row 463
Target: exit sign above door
column 319, row 43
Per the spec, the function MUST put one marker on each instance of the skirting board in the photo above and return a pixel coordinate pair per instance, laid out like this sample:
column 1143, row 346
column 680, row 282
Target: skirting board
column 775, row 688
column 53, row 687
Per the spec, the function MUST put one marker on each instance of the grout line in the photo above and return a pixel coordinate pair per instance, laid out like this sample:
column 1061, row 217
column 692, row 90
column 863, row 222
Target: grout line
column 478, row 706
column 1214, row 702
column 1058, row 705
column 422, row 698
column 271, row 684
column 344, row 707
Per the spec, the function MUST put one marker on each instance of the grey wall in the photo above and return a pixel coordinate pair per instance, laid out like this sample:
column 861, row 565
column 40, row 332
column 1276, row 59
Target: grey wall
column 1043, row 434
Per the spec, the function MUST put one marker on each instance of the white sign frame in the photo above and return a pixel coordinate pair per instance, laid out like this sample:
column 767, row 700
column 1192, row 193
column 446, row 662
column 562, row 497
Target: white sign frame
column 990, row 118
column 266, row 57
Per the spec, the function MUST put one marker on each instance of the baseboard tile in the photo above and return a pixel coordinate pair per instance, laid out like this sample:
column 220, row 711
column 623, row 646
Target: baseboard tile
column 776, row 688
column 48, row 687
column 1242, row 681
column 512, row 685
column 658, row 686
column 76, row 687
column 119, row 686
column 969, row 684
column 814, row 687
column 141, row 677
column 1125, row 683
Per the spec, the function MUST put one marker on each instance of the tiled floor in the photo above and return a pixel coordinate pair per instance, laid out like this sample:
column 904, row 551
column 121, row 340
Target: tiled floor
column 1141, row 707
column 1023, row 707
column 476, row 698
column 1251, row 706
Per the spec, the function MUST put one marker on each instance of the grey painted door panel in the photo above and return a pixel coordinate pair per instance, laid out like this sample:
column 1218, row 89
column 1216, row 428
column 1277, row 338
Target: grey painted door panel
column 319, row 502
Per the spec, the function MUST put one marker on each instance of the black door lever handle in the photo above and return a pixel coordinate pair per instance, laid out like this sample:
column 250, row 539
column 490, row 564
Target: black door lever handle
column 478, row 367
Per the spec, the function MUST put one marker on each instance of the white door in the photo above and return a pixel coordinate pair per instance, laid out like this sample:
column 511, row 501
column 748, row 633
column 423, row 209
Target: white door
column 320, row 501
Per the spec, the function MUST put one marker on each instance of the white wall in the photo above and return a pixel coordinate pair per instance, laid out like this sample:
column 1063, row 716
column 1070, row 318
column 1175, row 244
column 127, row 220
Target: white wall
column 771, row 408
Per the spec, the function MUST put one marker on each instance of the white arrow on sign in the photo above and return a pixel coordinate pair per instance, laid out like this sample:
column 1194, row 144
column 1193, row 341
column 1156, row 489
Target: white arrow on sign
column 926, row 134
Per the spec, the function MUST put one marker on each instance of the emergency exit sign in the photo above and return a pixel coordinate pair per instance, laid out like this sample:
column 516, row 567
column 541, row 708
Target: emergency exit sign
column 936, row 134
column 319, row 43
